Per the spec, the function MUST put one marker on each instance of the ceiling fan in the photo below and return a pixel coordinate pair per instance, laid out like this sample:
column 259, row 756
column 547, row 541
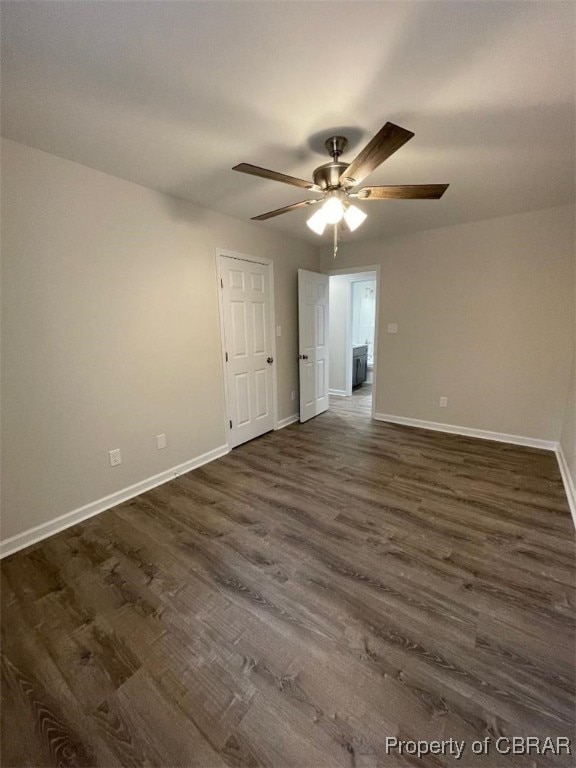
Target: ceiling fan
column 336, row 182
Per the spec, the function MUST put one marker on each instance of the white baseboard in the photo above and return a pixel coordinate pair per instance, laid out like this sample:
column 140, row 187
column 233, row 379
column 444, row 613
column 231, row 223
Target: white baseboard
column 39, row 532
column 483, row 434
column 288, row 420
column 337, row 392
column 568, row 482
column 531, row 442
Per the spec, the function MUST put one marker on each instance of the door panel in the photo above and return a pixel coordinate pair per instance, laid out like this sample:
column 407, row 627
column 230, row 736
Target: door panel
column 236, row 279
column 238, row 316
column 262, row 408
column 242, row 398
column 320, row 379
column 313, row 345
column 320, row 325
column 306, row 384
column 309, row 325
column 257, row 282
column 259, row 327
column 248, row 322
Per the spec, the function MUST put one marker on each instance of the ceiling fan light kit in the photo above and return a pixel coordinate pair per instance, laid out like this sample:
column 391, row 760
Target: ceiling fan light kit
column 317, row 222
column 353, row 217
column 332, row 212
column 336, row 181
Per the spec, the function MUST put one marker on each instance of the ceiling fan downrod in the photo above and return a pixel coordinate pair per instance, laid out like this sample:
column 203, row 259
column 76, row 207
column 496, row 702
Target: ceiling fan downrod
column 335, row 239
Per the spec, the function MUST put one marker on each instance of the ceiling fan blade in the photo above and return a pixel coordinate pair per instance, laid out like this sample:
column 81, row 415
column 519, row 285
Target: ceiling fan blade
column 403, row 192
column 265, row 173
column 388, row 139
column 278, row 211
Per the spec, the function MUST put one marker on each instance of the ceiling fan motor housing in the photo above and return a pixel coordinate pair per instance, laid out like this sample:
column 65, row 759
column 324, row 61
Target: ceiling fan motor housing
column 327, row 176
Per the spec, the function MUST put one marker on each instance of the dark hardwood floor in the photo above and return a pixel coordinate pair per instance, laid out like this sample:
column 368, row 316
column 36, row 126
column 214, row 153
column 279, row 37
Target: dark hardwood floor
column 297, row 602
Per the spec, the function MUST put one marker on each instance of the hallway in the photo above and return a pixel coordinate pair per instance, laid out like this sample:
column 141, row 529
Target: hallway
column 358, row 404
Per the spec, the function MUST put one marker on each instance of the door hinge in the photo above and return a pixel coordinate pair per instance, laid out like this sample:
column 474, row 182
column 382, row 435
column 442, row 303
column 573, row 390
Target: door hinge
column 221, row 283
column 230, row 423
column 226, row 353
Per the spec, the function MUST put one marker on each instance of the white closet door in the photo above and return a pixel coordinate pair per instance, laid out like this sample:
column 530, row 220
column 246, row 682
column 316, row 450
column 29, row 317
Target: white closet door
column 247, row 313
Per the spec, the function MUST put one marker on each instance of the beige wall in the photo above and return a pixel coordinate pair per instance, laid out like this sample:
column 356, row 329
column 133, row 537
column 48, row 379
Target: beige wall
column 111, row 331
column 485, row 315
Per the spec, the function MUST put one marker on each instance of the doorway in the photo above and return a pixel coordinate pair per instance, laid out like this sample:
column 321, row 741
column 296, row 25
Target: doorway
column 248, row 345
column 353, row 337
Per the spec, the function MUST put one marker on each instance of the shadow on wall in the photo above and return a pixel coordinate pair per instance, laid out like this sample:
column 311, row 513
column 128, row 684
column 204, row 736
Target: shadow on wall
column 184, row 210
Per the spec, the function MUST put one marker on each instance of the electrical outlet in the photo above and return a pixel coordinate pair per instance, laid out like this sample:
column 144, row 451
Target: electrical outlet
column 392, row 327
column 293, row 395
column 278, row 331
column 115, row 457
column 161, row 442
column 443, row 402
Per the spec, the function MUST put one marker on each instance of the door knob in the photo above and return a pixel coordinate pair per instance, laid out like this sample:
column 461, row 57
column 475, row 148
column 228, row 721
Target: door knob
column 269, row 360
column 302, row 357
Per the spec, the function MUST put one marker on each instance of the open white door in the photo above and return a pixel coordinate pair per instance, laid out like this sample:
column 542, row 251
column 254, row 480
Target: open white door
column 247, row 315
column 313, row 342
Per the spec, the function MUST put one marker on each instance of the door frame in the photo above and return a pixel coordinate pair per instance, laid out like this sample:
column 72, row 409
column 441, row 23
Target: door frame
column 257, row 260
column 352, row 271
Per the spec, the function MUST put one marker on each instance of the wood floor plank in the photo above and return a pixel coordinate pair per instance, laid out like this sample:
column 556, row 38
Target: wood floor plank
column 45, row 704
column 177, row 739
column 296, row 602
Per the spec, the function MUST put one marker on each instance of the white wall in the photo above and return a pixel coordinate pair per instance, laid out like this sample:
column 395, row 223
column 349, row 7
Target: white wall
column 364, row 314
column 485, row 315
column 111, row 331
column 339, row 346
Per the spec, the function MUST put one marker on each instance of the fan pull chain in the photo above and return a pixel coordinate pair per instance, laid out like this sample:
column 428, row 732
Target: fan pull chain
column 335, row 239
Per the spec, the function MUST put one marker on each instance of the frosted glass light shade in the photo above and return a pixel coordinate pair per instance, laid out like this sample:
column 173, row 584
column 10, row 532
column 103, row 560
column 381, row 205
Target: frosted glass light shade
column 354, row 217
column 333, row 210
column 317, row 222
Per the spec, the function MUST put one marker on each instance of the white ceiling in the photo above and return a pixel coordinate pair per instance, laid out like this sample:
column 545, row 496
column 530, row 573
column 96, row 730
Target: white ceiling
column 171, row 95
